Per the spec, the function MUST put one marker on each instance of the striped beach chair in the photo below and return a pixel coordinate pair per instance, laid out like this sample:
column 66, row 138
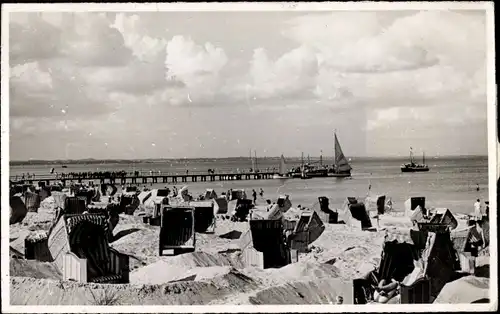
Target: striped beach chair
column 32, row 201
column 177, row 229
column 80, row 249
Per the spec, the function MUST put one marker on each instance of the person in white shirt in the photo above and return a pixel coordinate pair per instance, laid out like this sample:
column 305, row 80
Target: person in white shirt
column 477, row 209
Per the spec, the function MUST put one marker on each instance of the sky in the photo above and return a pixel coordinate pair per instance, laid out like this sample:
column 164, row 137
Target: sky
column 219, row 84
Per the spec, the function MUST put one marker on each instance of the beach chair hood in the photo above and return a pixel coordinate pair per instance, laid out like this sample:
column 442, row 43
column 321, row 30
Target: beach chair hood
column 18, row 210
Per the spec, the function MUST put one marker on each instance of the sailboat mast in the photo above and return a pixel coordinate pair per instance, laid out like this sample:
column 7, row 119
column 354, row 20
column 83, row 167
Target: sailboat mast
column 321, row 158
column 423, row 158
column 302, row 160
column 256, row 167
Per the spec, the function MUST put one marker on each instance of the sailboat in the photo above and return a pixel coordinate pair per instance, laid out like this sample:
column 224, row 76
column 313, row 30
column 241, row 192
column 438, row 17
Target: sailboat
column 412, row 166
column 341, row 167
column 282, row 173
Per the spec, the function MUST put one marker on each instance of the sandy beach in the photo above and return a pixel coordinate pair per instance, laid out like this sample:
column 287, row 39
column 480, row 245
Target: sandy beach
column 213, row 274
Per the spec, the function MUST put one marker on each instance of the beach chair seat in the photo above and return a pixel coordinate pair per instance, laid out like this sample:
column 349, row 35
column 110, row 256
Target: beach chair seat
column 80, row 249
column 177, row 229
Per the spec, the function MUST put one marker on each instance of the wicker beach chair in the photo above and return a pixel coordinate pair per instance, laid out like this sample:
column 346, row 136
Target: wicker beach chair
column 18, row 210
column 398, row 262
column 80, row 249
column 358, row 212
column 308, row 228
column 268, row 238
column 32, row 201
column 220, row 205
column 177, row 230
column 240, row 208
column 444, row 216
column 204, row 216
column 129, row 203
column 325, row 213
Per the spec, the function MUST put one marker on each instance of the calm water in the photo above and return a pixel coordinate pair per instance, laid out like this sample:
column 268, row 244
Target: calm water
column 450, row 183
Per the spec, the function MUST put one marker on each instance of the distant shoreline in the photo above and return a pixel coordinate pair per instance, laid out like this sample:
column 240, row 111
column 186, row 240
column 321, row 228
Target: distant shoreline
column 128, row 161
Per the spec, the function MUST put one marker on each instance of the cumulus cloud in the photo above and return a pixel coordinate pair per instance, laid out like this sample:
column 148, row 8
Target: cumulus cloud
column 291, row 74
column 414, row 56
column 390, row 68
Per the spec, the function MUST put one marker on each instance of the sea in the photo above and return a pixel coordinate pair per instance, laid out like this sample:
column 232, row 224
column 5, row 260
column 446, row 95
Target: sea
column 452, row 182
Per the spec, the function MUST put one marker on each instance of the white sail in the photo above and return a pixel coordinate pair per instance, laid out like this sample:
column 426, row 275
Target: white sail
column 282, row 168
column 340, row 161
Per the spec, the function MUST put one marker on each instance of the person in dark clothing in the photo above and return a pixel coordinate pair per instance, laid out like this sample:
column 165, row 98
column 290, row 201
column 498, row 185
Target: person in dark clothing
column 254, row 195
column 261, row 193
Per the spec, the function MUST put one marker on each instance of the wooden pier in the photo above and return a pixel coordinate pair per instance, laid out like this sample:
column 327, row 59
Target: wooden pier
column 145, row 179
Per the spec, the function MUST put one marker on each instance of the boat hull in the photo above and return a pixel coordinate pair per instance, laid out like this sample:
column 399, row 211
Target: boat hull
column 339, row 175
column 277, row 176
column 414, row 169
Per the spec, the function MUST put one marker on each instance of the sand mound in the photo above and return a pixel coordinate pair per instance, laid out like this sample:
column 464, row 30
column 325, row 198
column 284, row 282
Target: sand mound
column 34, row 269
column 464, row 290
column 49, row 292
column 323, row 291
column 292, row 272
column 177, row 267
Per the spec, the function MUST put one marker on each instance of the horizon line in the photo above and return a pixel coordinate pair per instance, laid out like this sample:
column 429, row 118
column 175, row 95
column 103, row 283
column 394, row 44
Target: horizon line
column 230, row 157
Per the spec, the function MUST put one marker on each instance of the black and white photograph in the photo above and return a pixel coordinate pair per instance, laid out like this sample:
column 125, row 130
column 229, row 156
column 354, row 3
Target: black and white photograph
column 290, row 155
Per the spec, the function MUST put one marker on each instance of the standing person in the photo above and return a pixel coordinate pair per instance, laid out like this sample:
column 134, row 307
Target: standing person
column 254, row 195
column 477, row 209
column 261, row 193
column 487, row 210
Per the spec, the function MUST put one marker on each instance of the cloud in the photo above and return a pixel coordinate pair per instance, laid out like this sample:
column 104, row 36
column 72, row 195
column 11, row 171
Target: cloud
column 86, row 38
column 291, row 74
column 388, row 69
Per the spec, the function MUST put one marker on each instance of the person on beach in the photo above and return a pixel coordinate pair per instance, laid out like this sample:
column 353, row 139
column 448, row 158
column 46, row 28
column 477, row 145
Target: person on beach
column 477, row 187
column 261, row 193
column 254, row 195
column 487, row 210
column 477, row 209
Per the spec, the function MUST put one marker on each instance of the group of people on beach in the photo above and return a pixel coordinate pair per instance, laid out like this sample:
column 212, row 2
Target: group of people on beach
column 478, row 209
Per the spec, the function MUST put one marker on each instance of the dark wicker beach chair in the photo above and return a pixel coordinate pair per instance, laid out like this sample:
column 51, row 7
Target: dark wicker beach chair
column 308, row 228
column 268, row 237
column 32, row 201
column 326, row 214
column 80, row 249
column 204, row 216
column 444, row 216
column 241, row 207
column 18, row 210
column 129, row 203
column 358, row 212
column 398, row 261
column 177, row 230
